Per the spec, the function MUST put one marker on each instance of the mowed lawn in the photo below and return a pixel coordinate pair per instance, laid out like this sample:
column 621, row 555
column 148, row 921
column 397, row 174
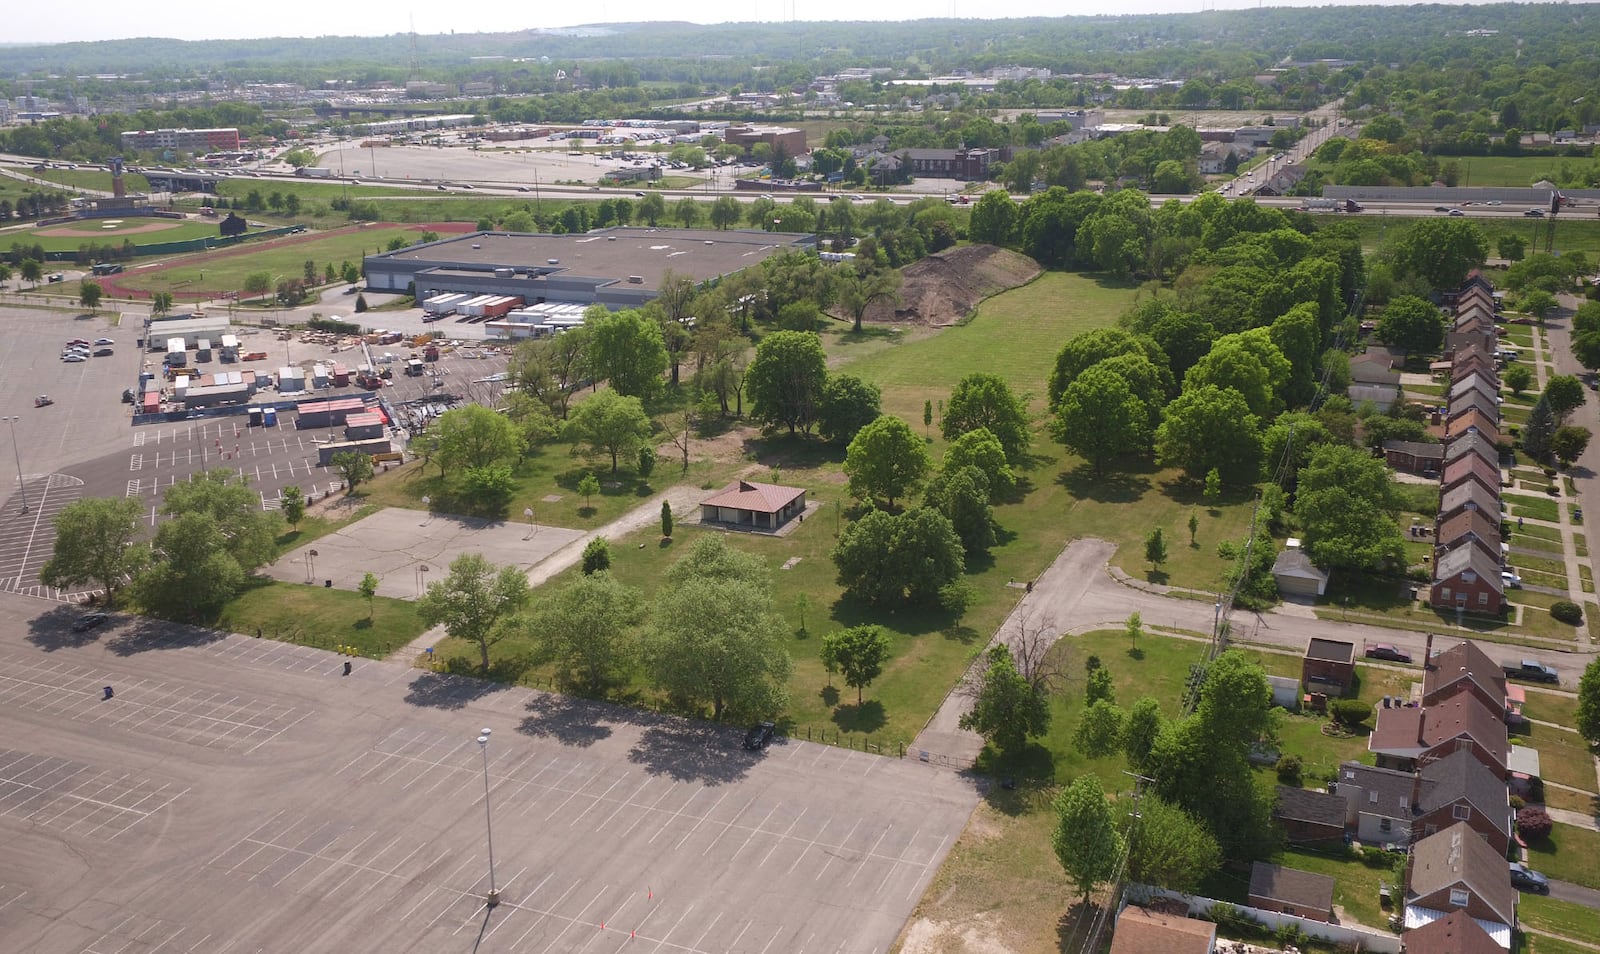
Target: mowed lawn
column 225, row 269
column 121, row 230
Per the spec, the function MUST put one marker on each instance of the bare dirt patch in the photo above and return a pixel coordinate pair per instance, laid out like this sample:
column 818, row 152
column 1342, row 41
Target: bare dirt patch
column 945, row 287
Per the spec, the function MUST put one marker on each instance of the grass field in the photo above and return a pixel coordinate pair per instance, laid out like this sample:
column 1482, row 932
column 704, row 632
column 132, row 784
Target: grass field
column 225, row 269
column 1574, row 233
column 1516, row 171
column 91, row 179
column 322, row 617
column 1569, row 854
column 1569, row 920
column 172, row 230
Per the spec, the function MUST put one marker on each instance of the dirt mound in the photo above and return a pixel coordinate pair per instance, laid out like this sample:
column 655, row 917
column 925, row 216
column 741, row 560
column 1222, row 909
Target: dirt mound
column 945, row 287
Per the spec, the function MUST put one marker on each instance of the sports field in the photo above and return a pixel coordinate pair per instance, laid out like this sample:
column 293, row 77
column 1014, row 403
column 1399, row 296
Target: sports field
column 141, row 230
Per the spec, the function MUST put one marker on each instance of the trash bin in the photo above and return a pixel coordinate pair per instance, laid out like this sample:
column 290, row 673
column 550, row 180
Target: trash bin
column 327, row 584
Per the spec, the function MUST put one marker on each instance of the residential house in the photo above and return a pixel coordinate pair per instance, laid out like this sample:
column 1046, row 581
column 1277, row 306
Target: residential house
column 1378, row 365
column 1486, row 384
column 1414, row 457
column 752, row 504
column 1464, row 668
column 1455, row 870
column 1455, row 933
column 1471, row 400
column 1473, row 284
column 1473, row 419
column 1457, row 341
column 1214, row 158
column 1469, row 495
column 1309, row 817
column 1296, row 575
column 1473, row 360
column 1144, row 931
column 1467, row 579
column 1470, row 467
column 1377, row 802
column 1284, row 180
column 1328, row 665
column 1406, row 737
column 1459, row 788
column 1472, row 443
column 1291, row 891
column 1469, row 528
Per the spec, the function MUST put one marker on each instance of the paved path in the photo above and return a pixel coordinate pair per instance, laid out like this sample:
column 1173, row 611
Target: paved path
column 684, row 499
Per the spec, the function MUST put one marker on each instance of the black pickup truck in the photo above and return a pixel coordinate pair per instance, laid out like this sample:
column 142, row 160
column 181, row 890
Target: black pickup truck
column 1530, row 671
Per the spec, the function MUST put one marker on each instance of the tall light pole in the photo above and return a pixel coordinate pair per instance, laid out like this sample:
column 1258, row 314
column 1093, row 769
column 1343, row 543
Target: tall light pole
column 22, row 485
column 493, row 897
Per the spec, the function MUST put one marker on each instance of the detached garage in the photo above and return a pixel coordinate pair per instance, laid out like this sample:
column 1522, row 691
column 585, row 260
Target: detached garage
column 1296, row 575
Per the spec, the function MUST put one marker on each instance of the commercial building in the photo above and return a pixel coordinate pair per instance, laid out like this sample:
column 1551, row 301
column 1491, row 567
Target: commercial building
column 617, row 267
column 791, row 142
column 182, row 140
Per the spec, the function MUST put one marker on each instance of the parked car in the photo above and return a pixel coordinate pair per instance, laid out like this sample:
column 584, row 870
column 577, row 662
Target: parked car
column 1525, row 878
column 104, row 341
column 89, row 621
column 73, row 358
column 102, row 352
column 1389, row 652
column 759, row 735
column 1511, row 579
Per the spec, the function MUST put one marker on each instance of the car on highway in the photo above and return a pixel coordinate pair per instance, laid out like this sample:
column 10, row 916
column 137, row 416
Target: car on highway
column 1524, row 878
column 1441, row 208
column 1493, row 202
column 759, row 735
column 1456, row 212
column 1534, row 213
column 523, row 189
column 89, row 621
column 1389, row 652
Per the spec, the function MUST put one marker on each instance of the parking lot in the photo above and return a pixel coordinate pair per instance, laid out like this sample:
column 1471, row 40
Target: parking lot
column 82, row 445
column 241, row 795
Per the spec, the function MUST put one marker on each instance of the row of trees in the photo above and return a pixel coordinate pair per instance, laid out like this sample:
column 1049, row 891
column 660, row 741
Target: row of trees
column 710, row 640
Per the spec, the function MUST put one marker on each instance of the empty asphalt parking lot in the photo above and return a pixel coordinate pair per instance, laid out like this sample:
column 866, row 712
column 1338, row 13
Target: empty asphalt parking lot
column 239, row 795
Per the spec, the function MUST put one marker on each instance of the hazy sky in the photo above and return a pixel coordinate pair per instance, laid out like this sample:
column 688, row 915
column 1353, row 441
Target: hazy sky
column 210, row 19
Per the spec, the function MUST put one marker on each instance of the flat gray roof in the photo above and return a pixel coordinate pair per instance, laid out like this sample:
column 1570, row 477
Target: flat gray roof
column 614, row 253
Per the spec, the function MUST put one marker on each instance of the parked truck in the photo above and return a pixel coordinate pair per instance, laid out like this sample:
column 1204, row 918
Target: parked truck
column 1529, row 670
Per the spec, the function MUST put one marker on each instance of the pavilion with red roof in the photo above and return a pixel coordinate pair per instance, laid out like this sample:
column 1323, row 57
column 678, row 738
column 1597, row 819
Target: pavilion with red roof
column 750, row 504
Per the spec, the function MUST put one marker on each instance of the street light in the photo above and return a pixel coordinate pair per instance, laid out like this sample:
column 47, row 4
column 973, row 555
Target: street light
column 493, row 898
column 422, row 578
column 427, row 502
column 22, row 485
column 528, row 512
column 311, row 566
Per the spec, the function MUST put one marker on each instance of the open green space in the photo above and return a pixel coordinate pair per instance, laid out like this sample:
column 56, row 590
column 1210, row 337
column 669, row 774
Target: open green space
column 226, row 269
column 91, row 179
column 1542, row 913
column 1518, row 172
column 325, row 618
column 1573, row 233
column 1563, row 757
column 52, row 239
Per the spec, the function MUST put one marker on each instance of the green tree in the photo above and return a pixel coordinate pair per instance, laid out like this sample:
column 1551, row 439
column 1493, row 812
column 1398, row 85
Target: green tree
column 1099, row 732
column 1440, row 251
column 609, row 423
column 687, row 212
column 161, row 303
column 1588, row 718
column 192, row 573
column 96, row 543
column 725, row 212
column 353, row 467
column 1097, row 684
column 1540, row 430
column 651, row 209
column 927, row 415
column 1155, row 547
column 1411, row 323
column 1140, row 731
column 1517, row 378
column 984, row 400
column 1347, row 507
column 1568, row 443
column 994, row 219
column 476, row 602
column 732, row 660
column 856, row 291
column 225, row 497
column 1512, row 248
column 1085, row 838
column 1194, row 525
column 1099, row 418
column 1212, row 493
column 588, row 485
column 859, row 653
column 666, row 518
column 368, row 587
column 962, row 495
column 1168, row 848
column 786, row 380
column 30, row 271
column 473, row 436
column 1564, row 393
column 981, row 449
column 258, row 283
column 586, row 628
column 848, row 405
column 1538, row 303
column 887, row 559
column 1006, row 709
column 1248, row 363
column 293, row 505
column 596, row 556
column 1210, row 428
column 89, row 294
column 626, row 348
column 886, row 461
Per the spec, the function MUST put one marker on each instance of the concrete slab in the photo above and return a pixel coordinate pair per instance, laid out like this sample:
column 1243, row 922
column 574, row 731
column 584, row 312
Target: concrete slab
column 347, row 814
column 395, row 544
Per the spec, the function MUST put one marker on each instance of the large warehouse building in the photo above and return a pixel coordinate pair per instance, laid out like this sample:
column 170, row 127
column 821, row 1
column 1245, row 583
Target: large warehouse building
column 616, row 267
